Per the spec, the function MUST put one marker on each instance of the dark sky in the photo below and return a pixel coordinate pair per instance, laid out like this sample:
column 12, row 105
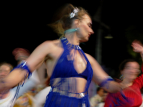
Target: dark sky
column 23, row 24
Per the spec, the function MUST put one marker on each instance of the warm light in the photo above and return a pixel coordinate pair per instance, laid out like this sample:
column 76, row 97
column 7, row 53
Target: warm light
column 108, row 36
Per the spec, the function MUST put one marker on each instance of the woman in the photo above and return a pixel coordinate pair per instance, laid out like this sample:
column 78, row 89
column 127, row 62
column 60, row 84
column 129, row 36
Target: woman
column 69, row 68
column 130, row 96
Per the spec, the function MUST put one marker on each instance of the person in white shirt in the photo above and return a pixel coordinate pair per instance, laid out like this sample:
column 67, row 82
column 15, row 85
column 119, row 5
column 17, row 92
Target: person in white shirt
column 40, row 98
column 96, row 99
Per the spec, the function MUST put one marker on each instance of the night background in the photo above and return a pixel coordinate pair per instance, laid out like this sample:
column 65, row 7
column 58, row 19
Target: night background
column 24, row 25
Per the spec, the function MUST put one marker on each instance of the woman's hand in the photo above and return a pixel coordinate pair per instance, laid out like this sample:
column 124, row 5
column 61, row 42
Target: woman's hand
column 137, row 46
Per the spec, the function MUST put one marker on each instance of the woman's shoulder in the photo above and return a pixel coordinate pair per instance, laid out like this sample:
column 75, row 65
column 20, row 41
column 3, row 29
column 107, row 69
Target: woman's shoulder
column 90, row 58
column 51, row 43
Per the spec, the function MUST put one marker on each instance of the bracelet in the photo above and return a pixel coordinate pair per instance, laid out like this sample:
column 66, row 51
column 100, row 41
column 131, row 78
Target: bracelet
column 24, row 66
column 104, row 82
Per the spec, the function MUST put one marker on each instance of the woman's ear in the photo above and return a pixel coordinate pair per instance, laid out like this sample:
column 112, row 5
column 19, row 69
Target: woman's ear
column 76, row 22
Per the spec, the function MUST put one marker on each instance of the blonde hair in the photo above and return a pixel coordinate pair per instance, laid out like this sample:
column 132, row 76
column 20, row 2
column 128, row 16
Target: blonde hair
column 64, row 22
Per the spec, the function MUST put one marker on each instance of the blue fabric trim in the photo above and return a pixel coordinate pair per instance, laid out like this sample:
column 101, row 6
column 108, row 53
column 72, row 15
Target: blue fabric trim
column 24, row 66
column 102, row 84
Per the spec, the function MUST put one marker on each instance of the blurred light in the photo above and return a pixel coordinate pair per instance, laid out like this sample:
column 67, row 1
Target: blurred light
column 109, row 36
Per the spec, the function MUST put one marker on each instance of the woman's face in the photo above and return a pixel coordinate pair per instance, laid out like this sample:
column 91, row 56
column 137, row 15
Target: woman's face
column 85, row 28
column 4, row 70
column 131, row 71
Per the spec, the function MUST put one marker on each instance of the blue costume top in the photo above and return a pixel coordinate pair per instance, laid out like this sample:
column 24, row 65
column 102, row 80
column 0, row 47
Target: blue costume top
column 63, row 80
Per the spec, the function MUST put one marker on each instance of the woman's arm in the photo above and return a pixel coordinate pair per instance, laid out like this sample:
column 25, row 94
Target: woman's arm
column 100, row 76
column 33, row 61
column 138, row 47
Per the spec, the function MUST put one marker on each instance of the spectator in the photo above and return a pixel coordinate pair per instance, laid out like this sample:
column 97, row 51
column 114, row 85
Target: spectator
column 96, row 99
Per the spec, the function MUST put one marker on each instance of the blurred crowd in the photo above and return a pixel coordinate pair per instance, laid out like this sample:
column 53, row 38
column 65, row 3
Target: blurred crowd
column 98, row 100
column 34, row 91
